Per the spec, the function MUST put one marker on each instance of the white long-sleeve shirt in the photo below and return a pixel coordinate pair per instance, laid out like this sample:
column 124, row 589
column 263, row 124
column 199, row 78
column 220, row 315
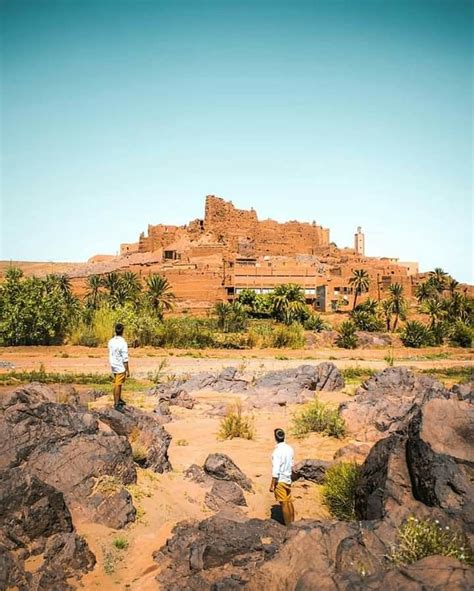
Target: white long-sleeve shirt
column 118, row 354
column 282, row 462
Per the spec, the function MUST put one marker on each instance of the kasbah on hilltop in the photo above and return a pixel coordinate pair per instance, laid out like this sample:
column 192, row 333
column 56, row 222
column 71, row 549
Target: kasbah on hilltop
column 215, row 258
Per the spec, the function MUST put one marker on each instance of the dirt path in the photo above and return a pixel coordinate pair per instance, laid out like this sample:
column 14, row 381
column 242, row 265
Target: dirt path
column 178, row 362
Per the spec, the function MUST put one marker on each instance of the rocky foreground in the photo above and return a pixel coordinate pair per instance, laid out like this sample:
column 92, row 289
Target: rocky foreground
column 61, row 463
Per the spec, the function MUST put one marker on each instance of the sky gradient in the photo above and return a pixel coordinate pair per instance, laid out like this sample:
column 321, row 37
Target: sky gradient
column 117, row 114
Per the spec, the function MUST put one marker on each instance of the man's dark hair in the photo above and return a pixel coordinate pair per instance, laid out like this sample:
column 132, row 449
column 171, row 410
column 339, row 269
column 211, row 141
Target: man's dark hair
column 279, row 435
column 119, row 329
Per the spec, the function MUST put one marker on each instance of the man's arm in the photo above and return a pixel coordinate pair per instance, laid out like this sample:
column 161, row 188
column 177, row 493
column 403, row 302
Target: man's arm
column 275, row 470
column 273, row 484
column 127, row 370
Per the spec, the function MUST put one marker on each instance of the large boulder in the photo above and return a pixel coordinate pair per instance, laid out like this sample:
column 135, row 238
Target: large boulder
column 313, row 470
column 385, row 403
column 221, row 552
column 428, row 468
column 145, row 434
column 221, row 467
column 69, row 449
column 35, row 522
column 224, row 494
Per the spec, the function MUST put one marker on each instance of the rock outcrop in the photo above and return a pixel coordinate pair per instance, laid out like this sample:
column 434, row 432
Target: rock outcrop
column 276, row 388
column 142, row 430
column 386, row 402
column 69, row 449
column 36, row 524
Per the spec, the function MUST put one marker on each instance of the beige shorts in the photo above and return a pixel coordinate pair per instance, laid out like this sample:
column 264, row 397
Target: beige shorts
column 283, row 492
column 119, row 378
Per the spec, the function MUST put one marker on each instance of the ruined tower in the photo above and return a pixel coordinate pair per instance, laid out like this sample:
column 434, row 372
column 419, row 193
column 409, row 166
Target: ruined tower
column 359, row 242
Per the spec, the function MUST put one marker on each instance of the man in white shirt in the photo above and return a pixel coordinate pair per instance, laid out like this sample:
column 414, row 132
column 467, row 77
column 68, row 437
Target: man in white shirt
column 118, row 357
column 282, row 465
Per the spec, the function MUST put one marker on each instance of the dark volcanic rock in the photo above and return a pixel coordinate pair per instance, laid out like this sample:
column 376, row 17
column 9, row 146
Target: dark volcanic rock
column 197, row 474
column 386, row 402
column 34, row 520
column 217, row 553
column 223, row 494
column 221, row 467
column 313, row 470
column 64, row 446
column 353, row 452
column 440, row 456
column 143, row 429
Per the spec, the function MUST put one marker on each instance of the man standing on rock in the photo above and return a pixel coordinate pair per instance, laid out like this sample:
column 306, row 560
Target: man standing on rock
column 118, row 357
column 282, row 465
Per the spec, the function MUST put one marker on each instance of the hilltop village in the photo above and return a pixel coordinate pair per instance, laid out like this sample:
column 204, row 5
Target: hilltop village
column 214, row 258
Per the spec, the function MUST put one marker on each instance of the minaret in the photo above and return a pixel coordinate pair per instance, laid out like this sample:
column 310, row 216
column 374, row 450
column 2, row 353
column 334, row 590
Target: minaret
column 359, row 242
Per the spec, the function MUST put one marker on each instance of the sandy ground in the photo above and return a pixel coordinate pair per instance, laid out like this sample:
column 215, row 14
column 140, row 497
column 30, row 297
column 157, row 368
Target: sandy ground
column 165, row 499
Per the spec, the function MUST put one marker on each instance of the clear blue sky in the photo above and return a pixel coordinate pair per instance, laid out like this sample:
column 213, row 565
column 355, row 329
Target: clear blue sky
column 116, row 114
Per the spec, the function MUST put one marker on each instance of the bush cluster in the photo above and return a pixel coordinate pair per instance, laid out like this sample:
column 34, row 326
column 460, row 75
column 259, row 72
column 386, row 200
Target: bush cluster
column 236, row 424
column 339, row 490
column 419, row 538
column 318, row 417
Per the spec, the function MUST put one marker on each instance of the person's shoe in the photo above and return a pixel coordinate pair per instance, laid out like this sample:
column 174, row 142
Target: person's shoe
column 122, row 402
column 118, row 408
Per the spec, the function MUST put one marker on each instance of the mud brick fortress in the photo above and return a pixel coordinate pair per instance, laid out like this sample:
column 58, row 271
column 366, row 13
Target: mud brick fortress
column 231, row 249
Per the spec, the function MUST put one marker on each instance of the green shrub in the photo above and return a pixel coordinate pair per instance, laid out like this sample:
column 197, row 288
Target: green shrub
column 185, row 333
column 347, row 338
column 315, row 323
column 318, row 417
column 236, row 424
column 339, row 488
column 120, row 542
column 418, row 538
column 291, row 336
column 462, row 335
column 416, row 335
column 365, row 320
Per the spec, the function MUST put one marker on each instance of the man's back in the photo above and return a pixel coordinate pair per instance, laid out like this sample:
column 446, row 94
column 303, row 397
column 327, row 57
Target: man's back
column 118, row 354
column 282, row 462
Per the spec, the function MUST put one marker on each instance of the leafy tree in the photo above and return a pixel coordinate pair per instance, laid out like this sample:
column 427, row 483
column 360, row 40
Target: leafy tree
column 398, row 303
column 159, row 294
column 462, row 335
column 360, row 282
column 452, row 286
column 35, row 311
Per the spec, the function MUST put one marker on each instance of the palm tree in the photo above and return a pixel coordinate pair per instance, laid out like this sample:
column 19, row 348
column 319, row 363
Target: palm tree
column 288, row 302
column 438, row 279
column 387, row 310
column 131, row 285
column 424, row 292
column 459, row 307
column 370, row 306
column 398, row 303
column 159, row 294
column 360, row 281
column 434, row 308
column 93, row 294
column 111, row 281
column 452, row 286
